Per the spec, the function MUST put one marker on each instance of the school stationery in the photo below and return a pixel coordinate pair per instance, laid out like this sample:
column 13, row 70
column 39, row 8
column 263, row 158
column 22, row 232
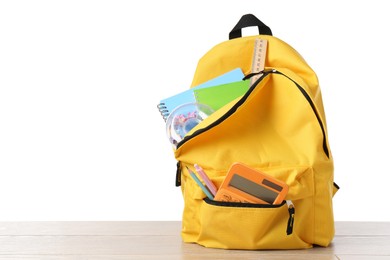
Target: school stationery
column 218, row 96
column 167, row 105
column 210, row 185
column 247, row 185
column 200, row 184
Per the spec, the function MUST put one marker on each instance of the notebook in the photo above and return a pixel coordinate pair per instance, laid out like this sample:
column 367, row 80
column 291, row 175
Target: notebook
column 168, row 104
column 218, row 96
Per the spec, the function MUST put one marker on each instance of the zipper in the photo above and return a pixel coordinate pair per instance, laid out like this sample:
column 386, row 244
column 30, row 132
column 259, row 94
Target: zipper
column 290, row 208
column 291, row 213
column 227, row 114
column 246, row 95
column 241, row 204
column 178, row 175
column 306, row 95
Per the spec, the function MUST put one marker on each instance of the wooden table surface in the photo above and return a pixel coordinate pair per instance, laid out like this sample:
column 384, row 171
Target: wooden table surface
column 161, row 240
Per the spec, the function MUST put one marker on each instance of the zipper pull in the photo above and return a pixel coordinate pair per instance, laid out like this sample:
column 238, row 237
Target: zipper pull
column 178, row 175
column 265, row 71
column 250, row 75
column 291, row 212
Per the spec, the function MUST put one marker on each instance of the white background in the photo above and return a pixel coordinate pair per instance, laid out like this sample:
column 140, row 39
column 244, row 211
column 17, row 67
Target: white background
column 80, row 135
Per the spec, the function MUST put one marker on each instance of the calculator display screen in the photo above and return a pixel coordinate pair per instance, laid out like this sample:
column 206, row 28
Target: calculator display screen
column 253, row 188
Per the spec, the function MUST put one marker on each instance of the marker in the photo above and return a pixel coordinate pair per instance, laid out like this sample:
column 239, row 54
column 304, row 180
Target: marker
column 204, row 189
column 206, row 179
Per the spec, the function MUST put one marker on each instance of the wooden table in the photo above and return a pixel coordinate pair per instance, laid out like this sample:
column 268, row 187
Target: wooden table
column 161, row 240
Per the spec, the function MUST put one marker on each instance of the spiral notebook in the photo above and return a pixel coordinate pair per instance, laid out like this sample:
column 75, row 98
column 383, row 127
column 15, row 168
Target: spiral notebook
column 192, row 95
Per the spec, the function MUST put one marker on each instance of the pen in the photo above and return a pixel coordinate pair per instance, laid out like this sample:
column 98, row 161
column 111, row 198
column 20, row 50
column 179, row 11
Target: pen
column 204, row 189
column 206, row 179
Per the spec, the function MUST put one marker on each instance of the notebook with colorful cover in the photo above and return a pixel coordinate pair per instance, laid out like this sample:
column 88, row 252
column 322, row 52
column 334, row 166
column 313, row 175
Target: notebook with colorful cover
column 168, row 104
column 218, row 96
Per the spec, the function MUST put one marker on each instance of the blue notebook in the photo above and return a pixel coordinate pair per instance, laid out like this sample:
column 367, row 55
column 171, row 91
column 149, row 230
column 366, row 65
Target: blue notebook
column 168, row 104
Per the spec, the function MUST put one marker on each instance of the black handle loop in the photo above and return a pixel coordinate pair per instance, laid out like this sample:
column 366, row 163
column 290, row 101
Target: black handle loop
column 248, row 20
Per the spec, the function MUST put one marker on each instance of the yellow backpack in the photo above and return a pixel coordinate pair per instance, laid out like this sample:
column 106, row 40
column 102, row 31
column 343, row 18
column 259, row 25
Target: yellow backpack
column 278, row 127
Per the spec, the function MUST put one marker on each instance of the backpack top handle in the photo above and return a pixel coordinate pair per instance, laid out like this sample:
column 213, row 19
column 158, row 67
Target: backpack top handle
column 249, row 20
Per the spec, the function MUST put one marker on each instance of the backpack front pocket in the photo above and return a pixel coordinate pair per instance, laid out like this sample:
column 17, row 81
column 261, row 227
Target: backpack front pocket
column 233, row 225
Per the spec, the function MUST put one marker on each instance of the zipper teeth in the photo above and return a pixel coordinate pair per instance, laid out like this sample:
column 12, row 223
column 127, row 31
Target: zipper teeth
column 241, row 205
column 227, row 114
column 243, row 99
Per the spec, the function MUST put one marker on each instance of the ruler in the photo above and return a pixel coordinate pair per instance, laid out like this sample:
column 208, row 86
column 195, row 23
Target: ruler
column 258, row 60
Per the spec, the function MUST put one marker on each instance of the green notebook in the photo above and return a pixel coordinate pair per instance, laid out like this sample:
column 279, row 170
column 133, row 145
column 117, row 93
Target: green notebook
column 218, row 96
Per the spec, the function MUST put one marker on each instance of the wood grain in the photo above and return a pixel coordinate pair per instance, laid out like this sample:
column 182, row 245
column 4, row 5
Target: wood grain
column 161, row 240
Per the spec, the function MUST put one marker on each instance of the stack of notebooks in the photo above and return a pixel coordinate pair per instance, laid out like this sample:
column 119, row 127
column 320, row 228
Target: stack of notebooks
column 215, row 93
